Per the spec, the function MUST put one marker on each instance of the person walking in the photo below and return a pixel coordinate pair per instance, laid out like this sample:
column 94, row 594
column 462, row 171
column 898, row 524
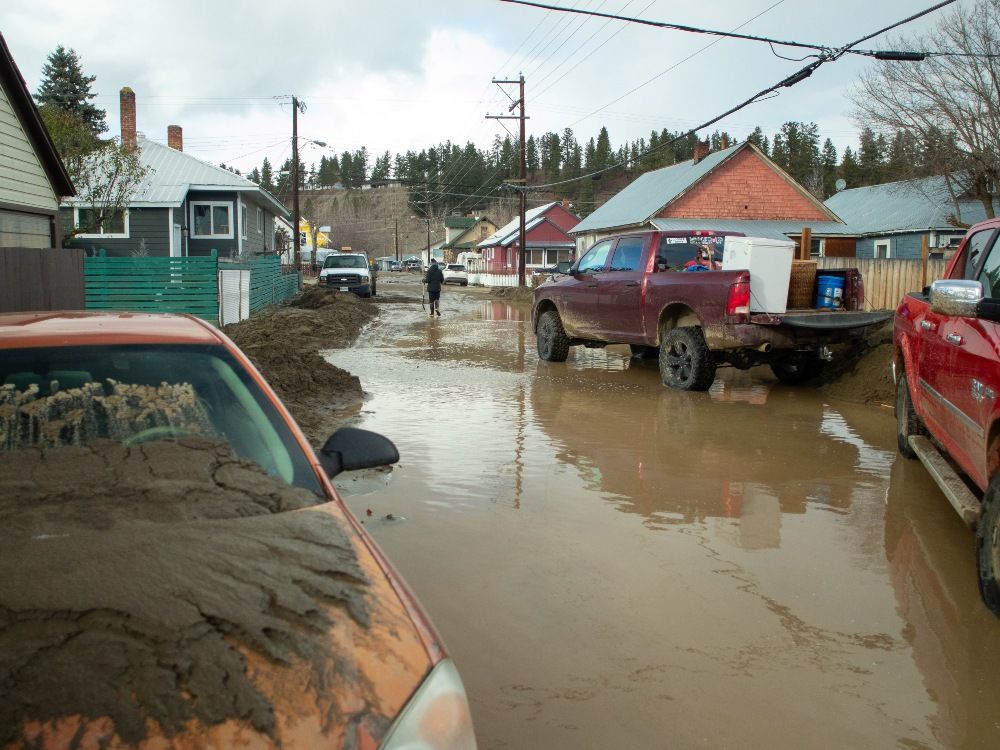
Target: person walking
column 434, row 279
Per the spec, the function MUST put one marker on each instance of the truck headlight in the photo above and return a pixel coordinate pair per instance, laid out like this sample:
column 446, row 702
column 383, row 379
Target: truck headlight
column 363, row 279
column 437, row 716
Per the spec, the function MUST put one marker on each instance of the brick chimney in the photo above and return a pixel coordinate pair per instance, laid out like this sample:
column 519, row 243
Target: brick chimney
column 701, row 150
column 725, row 140
column 175, row 137
column 127, row 100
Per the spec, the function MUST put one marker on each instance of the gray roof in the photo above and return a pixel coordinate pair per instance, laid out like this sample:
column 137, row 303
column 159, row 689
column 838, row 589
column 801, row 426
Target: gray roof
column 909, row 206
column 174, row 173
column 640, row 201
column 506, row 233
column 777, row 229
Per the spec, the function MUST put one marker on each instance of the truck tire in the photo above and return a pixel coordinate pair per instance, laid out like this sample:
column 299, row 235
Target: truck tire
column 907, row 421
column 988, row 548
column 550, row 338
column 685, row 360
column 797, row 367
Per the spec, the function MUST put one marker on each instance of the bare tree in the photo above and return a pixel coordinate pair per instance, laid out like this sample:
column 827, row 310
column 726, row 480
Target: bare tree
column 950, row 103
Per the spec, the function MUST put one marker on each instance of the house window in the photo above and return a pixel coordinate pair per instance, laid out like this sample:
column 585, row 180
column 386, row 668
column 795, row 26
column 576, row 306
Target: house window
column 536, row 256
column 211, row 219
column 243, row 221
column 87, row 219
column 260, row 220
column 882, row 249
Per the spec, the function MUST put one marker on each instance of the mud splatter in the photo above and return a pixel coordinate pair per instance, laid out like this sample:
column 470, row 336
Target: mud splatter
column 133, row 577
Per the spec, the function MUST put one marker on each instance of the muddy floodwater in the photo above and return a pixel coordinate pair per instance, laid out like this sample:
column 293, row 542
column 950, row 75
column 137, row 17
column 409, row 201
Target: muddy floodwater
column 613, row 564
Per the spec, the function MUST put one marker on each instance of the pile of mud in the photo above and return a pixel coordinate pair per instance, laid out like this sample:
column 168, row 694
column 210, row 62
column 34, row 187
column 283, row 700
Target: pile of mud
column 863, row 373
column 284, row 343
column 514, row 294
column 134, row 579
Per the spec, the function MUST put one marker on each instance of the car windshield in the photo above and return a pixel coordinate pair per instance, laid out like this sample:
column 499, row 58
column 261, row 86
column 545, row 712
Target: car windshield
column 61, row 397
column 345, row 261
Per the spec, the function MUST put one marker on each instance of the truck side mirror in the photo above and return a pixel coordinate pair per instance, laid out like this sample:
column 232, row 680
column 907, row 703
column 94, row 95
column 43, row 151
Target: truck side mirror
column 564, row 266
column 349, row 448
column 956, row 297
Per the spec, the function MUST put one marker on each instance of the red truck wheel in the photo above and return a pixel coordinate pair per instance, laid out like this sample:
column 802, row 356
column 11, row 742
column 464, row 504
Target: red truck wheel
column 907, row 421
column 685, row 360
column 988, row 548
column 551, row 340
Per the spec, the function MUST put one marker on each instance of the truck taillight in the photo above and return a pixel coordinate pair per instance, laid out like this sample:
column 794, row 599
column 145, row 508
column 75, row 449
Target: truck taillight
column 739, row 298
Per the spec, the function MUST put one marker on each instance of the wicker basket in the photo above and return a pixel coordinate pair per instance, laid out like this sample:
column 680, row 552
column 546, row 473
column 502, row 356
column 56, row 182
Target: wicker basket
column 802, row 285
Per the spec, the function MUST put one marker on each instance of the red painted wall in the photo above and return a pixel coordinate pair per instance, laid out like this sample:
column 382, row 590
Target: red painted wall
column 561, row 217
column 744, row 188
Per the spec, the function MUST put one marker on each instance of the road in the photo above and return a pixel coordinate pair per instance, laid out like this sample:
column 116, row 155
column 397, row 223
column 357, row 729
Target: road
column 613, row 564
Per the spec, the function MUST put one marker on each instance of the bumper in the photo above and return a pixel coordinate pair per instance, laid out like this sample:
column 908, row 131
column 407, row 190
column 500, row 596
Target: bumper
column 362, row 289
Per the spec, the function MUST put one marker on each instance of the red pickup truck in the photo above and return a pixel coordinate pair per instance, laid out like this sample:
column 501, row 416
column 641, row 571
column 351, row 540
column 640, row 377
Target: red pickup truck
column 636, row 289
column 947, row 372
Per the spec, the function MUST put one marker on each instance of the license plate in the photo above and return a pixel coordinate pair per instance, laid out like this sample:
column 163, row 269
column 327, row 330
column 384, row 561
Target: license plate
column 343, row 288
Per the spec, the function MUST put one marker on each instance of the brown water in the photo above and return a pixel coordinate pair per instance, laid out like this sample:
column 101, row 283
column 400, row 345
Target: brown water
column 613, row 564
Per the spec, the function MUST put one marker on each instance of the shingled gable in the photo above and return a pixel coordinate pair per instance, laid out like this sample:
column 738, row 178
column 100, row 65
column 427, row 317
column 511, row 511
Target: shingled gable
column 739, row 182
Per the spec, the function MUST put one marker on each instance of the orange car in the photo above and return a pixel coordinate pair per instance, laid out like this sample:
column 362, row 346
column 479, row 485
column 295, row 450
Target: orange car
column 177, row 571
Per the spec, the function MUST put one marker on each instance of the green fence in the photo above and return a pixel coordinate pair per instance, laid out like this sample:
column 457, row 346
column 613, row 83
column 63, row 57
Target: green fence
column 180, row 285
column 154, row 284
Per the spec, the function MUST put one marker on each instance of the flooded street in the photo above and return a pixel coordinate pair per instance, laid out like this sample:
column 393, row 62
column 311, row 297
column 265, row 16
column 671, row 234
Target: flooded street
column 614, row 564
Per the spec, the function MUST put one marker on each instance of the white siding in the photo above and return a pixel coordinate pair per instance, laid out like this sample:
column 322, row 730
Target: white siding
column 23, row 181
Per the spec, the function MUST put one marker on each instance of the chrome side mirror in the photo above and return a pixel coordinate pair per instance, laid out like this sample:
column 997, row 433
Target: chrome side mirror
column 956, row 297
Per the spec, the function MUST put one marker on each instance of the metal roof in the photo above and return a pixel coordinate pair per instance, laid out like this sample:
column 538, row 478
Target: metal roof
column 908, row 206
column 639, row 201
column 773, row 228
column 460, row 222
column 174, row 173
column 502, row 235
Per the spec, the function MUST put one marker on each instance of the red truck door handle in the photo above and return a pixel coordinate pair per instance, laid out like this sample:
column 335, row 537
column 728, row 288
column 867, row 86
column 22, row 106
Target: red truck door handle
column 926, row 325
column 954, row 338
column 632, row 283
column 592, row 286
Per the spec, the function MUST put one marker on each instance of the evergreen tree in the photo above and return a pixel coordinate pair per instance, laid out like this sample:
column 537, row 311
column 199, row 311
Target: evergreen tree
column 828, row 165
column 267, row 176
column 904, row 159
column 380, row 171
column 254, row 175
column 531, row 154
column 65, row 86
column 551, row 156
column 758, row 139
column 850, row 170
column 347, row 169
column 602, row 150
column 871, row 157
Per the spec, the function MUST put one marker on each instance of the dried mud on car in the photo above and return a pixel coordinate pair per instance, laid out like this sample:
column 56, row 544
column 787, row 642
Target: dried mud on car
column 137, row 580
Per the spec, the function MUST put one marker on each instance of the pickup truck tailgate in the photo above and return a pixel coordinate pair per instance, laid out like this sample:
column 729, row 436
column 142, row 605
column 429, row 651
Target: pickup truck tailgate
column 825, row 321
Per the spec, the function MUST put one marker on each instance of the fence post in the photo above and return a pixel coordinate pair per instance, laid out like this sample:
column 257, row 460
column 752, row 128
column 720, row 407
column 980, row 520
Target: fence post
column 925, row 254
column 805, row 244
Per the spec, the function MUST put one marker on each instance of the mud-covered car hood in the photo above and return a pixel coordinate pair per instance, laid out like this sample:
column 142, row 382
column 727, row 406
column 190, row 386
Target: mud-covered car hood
column 198, row 603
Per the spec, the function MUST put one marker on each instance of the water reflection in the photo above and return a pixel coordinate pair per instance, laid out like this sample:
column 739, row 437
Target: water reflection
column 497, row 310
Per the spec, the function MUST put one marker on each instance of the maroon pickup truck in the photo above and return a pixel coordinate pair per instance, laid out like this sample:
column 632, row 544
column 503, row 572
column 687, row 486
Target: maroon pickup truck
column 638, row 289
column 947, row 372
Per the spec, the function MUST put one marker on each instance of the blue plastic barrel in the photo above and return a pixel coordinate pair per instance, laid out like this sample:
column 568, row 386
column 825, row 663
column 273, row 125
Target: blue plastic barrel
column 829, row 291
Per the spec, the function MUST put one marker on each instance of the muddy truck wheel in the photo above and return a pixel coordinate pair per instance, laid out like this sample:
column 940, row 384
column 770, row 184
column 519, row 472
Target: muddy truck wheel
column 797, row 367
column 551, row 339
column 988, row 548
column 685, row 360
column 907, row 421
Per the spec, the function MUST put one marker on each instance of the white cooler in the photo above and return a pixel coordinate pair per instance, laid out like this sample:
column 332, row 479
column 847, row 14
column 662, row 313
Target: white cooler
column 770, row 265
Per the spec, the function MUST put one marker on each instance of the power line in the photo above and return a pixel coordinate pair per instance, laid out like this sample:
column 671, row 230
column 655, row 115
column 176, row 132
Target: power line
column 796, row 77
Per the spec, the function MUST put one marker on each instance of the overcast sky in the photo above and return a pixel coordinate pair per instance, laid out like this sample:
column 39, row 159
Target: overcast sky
column 405, row 74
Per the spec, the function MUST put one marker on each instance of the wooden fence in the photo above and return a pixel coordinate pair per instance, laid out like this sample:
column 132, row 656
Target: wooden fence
column 886, row 280
column 34, row 278
column 154, row 284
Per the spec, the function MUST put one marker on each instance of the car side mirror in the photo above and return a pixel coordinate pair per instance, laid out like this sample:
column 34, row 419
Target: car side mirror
column 349, row 449
column 564, row 266
column 661, row 263
column 956, row 297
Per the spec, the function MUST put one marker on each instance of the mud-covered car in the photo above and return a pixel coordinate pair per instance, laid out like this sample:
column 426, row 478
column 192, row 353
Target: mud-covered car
column 177, row 569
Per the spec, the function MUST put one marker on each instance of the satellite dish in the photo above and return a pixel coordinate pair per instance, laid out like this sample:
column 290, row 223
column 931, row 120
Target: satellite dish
column 840, row 184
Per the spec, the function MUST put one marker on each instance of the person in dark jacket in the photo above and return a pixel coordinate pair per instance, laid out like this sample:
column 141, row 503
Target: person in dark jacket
column 434, row 279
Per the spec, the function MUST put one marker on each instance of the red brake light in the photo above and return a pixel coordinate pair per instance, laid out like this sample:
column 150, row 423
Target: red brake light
column 738, row 302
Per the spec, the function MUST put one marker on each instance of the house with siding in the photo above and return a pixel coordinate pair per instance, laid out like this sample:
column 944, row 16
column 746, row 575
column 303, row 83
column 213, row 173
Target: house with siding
column 463, row 234
column 184, row 206
column 893, row 219
column 735, row 189
column 33, row 179
column 546, row 238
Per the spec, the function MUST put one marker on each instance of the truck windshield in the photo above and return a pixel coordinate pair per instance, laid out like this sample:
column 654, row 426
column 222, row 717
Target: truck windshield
column 345, row 261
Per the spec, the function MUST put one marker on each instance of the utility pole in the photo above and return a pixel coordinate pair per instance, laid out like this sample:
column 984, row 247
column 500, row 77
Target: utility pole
column 396, row 236
column 295, row 182
column 523, row 186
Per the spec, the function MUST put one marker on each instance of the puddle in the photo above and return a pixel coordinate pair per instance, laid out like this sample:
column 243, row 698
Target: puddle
column 695, row 565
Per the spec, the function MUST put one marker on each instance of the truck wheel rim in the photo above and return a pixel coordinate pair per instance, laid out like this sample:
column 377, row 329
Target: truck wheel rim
column 679, row 362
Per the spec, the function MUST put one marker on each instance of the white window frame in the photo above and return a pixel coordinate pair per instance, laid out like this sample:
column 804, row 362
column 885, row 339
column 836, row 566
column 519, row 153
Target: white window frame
column 887, row 244
column 100, row 235
column 949, row 241
column 243, row 220
column 213, row 204
column 260, row 220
